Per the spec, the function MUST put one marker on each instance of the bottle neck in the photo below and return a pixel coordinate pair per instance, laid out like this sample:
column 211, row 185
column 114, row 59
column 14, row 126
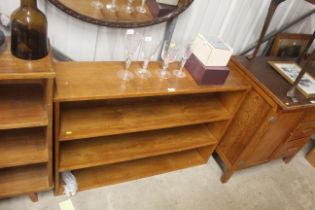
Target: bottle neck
column 29, row 3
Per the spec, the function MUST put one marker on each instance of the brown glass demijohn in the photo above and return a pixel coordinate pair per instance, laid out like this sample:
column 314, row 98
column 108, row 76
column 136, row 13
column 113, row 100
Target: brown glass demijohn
column 29, row 32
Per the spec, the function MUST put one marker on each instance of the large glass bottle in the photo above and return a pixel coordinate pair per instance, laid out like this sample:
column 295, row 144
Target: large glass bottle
column 29, row 32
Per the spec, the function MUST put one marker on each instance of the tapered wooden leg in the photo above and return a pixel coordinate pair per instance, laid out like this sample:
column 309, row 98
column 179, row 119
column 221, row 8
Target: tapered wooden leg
column 227, row 175
column 33, row 196
column 287, row 160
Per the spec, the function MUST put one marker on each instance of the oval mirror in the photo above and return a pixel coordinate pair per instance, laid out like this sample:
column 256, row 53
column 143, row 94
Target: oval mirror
column 83, row 10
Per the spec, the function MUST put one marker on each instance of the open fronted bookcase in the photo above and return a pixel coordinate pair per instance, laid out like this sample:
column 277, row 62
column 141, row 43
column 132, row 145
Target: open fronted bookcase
column 26, row 90
column 109, row 131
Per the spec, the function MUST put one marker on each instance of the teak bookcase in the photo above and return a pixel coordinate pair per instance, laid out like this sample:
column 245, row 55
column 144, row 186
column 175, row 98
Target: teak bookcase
column 26, row 100
column 109, row 131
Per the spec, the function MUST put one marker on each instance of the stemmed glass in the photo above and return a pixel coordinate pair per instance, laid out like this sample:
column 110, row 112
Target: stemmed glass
column 129, row 7
column 97, row 4
column 112, row 6
column 149, row 48
column 132, row 43
column 187, row 51
column 141, row 8
column 169, row 54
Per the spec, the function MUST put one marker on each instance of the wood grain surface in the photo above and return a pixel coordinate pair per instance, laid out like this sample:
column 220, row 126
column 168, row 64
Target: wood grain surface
column 22, row 147
column 114, row 149
column 122, row 172
column 22, row 105
column 124, row 116
column 25, row 179
column 103, row 83
column 15, row 68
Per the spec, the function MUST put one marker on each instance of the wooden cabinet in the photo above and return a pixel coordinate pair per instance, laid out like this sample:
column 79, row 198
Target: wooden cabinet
column 26, row 90
column 109, row 131
column 268, row 124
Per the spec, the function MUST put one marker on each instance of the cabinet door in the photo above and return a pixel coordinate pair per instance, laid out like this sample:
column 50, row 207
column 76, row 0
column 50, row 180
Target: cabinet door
column 278, row 129
column 244, row 126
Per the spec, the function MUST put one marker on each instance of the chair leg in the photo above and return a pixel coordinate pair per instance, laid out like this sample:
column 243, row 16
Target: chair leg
column 33, row 196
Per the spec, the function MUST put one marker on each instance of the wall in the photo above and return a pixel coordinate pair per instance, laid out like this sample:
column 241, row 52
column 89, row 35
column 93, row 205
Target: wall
column 238, row 22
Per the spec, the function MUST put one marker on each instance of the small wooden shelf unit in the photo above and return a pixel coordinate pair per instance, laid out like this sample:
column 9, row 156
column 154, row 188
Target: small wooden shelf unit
column 26, row 99
column 109, row 131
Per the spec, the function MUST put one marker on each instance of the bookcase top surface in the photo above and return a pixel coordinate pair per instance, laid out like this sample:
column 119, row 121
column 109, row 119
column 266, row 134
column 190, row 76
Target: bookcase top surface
column 79, row 81
column 15, row 68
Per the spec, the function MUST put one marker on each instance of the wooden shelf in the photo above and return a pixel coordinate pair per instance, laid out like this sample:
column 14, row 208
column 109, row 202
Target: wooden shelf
column 125, row 116
column 15, row 68
column 22, row 106
column 102, row 83
column 22, row 147
column 22, row 180
column 26, row 103
column 114, row 149
column 116, row 173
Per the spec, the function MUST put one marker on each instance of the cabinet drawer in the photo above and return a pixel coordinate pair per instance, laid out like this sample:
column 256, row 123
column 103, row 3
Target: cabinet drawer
column 291, row 147
column 305, row 129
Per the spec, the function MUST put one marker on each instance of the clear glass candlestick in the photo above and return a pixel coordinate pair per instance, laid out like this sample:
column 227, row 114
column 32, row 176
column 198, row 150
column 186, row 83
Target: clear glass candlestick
column 169, row 54
column 132, row 43
column 97, row 4
column 129, row 8
column 112, row 6
column 149, row 49
column 141, row 8
column 187, row 51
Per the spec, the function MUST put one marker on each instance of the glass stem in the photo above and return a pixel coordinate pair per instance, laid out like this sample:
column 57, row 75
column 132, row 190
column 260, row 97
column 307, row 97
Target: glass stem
column 182, row 65
column 165, row 66
column 129, row 3
column 142, row 4
column 127, row 65
column 145, row 65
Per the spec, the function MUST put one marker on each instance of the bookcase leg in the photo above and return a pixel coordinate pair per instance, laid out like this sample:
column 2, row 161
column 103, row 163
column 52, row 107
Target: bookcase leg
column 33, row 197
column 227, row 175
